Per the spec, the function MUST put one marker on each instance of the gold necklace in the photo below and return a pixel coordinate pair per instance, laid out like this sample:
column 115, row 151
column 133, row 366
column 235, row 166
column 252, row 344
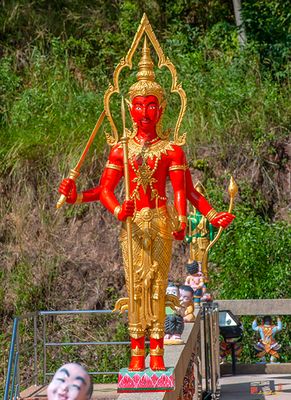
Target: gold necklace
column 146, row 142
column 154, row 150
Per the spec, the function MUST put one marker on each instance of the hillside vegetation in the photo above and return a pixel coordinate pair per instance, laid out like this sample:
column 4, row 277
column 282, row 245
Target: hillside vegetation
column 57, row 59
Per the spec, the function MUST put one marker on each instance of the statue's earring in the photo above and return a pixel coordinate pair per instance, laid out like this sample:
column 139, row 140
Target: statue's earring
column 129, row 103
column 134, row 129
column 159, row 128
column 131, row 134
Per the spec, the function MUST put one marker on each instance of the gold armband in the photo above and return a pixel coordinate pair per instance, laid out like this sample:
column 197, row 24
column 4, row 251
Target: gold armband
column 79, row 198
column 177, row 167
column 182, row 218
column 113, row 166
column 117, row 210
column 211, row 215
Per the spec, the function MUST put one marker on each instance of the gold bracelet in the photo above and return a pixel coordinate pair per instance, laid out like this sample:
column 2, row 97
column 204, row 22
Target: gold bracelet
column 157, row 351
column 137, row 352
column 117, row 210
column 211, row 215
column 79, row 198
column 182, row 218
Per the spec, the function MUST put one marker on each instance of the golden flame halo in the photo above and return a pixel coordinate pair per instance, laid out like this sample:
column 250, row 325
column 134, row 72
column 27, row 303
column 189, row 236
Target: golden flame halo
column 145, row 29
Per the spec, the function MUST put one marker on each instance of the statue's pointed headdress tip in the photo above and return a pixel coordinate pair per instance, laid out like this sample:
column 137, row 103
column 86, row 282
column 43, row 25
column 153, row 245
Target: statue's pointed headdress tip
column 146, row 65
column 146, row 84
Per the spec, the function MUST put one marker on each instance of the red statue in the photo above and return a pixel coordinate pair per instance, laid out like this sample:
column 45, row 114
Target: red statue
column 152, row 158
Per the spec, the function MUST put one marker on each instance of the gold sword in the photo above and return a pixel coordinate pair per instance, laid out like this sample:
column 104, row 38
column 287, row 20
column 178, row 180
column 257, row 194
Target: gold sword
column 75, row 172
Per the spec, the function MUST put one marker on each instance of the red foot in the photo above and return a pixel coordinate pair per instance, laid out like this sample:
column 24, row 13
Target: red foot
column 157, row 363
column 156, row 354
column 137, row 363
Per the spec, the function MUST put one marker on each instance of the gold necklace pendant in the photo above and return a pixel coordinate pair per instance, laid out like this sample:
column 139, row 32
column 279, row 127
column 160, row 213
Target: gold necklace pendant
column 144, row 173
column 141, row 157
column 144, row 176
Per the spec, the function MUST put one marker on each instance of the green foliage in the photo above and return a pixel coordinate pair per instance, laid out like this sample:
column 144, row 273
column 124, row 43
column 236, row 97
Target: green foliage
column 30, row 292
column 268, row 24
column 9, row 83
column 252, row 259
column 43, row 114
column 53, row 87
column 27, row 295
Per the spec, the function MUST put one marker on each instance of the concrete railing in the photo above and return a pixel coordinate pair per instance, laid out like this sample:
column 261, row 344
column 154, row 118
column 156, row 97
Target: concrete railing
column 186, row 361
column 256, row 306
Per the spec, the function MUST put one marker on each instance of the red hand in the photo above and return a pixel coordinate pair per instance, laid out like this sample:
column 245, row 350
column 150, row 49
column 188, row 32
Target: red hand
column 179, row 235
column 222, row 219
column 68, row 188
column 127, row 210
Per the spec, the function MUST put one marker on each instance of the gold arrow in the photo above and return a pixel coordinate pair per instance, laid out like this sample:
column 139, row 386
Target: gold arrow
column 232, row 190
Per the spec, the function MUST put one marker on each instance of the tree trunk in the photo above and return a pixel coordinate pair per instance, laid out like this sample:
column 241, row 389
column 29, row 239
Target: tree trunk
column 239, row 22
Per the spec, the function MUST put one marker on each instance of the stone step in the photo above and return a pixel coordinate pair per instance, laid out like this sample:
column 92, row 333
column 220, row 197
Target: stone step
column 101, row 391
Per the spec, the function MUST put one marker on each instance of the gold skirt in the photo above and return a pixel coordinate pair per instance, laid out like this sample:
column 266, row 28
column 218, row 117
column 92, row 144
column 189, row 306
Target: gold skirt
column 152, row 250
column 198, row 247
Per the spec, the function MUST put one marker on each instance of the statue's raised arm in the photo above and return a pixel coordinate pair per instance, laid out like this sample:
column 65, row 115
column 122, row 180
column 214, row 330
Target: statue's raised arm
column 217, row 219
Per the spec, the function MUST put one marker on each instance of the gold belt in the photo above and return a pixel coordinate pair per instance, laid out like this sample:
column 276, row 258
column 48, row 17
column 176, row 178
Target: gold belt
column 157, row 220
column 147, row 214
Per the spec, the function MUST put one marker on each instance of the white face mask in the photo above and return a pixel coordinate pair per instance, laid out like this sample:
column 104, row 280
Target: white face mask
column 172, row 290
column 71, row 382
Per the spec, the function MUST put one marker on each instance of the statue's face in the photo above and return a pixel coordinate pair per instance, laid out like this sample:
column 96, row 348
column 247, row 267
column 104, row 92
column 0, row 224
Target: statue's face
column 70, row 382
column 185, row 297
column 146, row 112
column 172, row 290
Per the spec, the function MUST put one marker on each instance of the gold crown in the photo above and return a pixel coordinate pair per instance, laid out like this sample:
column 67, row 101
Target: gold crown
column 146, row 84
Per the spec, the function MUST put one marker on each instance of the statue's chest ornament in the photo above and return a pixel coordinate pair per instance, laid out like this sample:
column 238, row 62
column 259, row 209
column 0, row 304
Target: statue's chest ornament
column 139, row 156
column 144, row 175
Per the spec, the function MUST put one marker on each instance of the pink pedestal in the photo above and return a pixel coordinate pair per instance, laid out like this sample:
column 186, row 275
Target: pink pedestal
column 146, row 381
